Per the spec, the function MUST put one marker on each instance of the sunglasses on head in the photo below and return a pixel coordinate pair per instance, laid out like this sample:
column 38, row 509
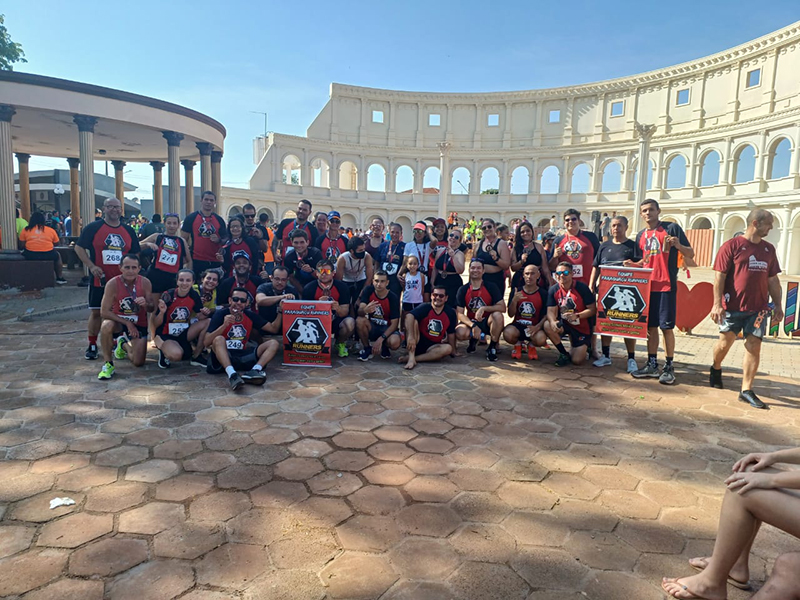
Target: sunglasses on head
column 562, row 273
column 168, row 215
column 239, row 300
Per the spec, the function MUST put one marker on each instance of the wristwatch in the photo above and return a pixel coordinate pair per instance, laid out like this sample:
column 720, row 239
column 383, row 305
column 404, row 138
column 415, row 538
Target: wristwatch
column 383, row 335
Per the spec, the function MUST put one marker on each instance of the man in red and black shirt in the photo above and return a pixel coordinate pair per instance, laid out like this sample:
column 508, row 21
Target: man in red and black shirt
column 527, row 307
column 746, row 276
column 378, row 318
column 338, row 293
column 205, row 231
column 242, row 278
column 576, row 246
column 660, row 244
column 571, row 308
column 282, row 241
column 430, row 330
column 480, row 307
column 332, row 244
column 101, row 247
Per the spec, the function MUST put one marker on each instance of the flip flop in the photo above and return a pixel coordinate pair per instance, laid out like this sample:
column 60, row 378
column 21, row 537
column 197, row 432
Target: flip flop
column 742, row 585
column 691, row 596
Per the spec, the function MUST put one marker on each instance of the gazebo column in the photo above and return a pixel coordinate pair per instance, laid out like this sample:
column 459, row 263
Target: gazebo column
column 24, row 185
column 188, row 176
column 216, row 173
column 74, row 195
column 86, row 137
column 158, row 190
column 8, row 218
column 119, row 182
column 173, row 160
column 205, row 165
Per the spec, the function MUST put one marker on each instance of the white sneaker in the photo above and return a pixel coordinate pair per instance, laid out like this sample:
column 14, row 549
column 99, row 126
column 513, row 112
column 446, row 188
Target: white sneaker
column 603, row 361
column 632, row 366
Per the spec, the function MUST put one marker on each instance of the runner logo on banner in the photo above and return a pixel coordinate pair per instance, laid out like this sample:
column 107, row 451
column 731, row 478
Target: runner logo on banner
column 306, row 333
column 624, row 295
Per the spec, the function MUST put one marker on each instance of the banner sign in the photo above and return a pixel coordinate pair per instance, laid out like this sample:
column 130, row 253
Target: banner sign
column 307, row 338
column 623, row 302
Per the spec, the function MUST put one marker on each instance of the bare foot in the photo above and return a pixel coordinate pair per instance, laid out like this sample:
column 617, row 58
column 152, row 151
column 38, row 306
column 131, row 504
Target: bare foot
column 402, row 359
column 738, row 577
column 411, row 363
column 694, row 587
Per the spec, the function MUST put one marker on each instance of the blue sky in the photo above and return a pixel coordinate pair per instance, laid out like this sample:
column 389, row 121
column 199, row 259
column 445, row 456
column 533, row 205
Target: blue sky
column 227, row 58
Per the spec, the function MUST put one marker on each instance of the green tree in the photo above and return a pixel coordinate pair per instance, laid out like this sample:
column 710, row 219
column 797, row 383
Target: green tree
column 491, row 191
column 10, row 52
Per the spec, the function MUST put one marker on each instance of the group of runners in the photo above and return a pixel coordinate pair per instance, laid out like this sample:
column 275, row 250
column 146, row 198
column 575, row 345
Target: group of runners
column 210, row 292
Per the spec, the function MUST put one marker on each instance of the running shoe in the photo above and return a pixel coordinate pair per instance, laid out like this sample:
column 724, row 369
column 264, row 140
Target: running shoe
column 91, row 352
column 365, row 354
column 632, row 366
column 649, row 370
column 715, row 378
column 473, row 344
column 533, row 354
column 517, row 351
column 750, row 397
column 107, row 372
column 603, row 361
column 341, row 350
column 385, row 351
column 491, row 353
column 119, row 351
column 236, row 381
column 563, row 360
column 199, row 361
column 255, row 376
column 60, row 280
column 163, row 361
column 667, row 375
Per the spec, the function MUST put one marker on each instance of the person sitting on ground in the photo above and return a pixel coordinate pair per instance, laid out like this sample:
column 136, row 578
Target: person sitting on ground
column 480, row 311
column 430, row 330
column 527, row 307
column 207, row 288
column 271, row 294
column 328, row 289
column 172, row 321
column 378, row 318
column 228, row 338
column 570, row 308
column 37, row 242
column 242, row 278
column 756, row 494
column 124, row 312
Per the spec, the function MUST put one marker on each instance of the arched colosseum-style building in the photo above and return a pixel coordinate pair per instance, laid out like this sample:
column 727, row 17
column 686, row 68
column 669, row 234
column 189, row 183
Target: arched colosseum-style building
column 727, row 129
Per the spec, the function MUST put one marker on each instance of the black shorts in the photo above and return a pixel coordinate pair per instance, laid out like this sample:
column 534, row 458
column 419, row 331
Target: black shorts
column 355, row 290
column 662, row 310
column 577, row 338
column 482, row 325
column 181, row 340
column 143, row 332
column 523, row 336
column 409, row 306
column 95, row 296
column 161, row 280
column 375, row 331
column 241, row 360
column 203, row 265
column 33, row 255
column 423, row 345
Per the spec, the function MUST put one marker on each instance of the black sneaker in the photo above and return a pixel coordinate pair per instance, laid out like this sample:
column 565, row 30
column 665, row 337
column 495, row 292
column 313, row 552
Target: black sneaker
column 254, row 376
column 715, row 378
column 750, row 397
column 199, row 361
column 91, row 352
column 385, row 351
column 563, row 360
column 236, row 381
column 365, row 354
column 473, row 344
column 491, row 353
column 163, row 361
column 60, row 280
column 648, row 370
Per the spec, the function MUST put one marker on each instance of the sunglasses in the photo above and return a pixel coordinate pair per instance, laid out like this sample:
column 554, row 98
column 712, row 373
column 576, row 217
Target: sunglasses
column 335, row 221
column 562, row 273
column 570, row 220
column 239, row 300
column 438, row 295
column 249, row 216
column 487, row 228
column 325, row 271
column 455, row 235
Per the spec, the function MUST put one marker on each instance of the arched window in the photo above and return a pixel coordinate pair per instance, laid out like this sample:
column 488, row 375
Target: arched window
column 292, row 170
column 348, row 176
column 551, row 180
column 779, row 157
column 459, row 183
column 321, row 173
column 234, row 210
column 709, row 169
column 649, row 175
column 580, row 179
column 430, row 180
column 612, row 177
column 744, row 164
column 404, row 180
column 519, row 180
column 701, row 223
column 676, row 172
column 490, row 181
column 376, row 178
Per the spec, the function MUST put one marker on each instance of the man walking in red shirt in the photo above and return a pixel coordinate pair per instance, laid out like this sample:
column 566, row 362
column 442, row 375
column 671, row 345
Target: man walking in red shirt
column 746, row 277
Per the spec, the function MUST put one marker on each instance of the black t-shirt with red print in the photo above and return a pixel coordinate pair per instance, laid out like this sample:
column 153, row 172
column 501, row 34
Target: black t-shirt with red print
column 471, row 299
column 179, row 311
column 237, row 334
column 388, row 307
column 575, row 299
column 338, row 291
column 531, row 308
column 433, row 326
column 201, row 228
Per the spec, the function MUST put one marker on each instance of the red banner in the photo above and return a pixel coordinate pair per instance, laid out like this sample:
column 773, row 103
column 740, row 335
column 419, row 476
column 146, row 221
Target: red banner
column 307, row 337
column 623, row 302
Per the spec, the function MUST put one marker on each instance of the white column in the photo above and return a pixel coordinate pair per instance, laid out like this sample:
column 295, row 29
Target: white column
column 645, row 132
column 444, row 177
column 594, row 185
column 174, row 163
column 205, row 166
column 727, row 162
column 8, row 217
column 86, row 150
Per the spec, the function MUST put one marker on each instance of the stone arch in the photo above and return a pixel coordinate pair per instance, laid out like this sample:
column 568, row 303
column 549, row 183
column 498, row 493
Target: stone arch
column 431, row 180
column 744, row 163
column 732, row 225
column 235, row 209
column 611, row 176
column 406, row 223
column 489, row 179
column 701, row 222
column 650, row 171
column 268, row 212
column 404, row 179
column 349, row 220
column 348, row 175
column 292, row 170
column 460, row 180
column 320, row 172
column 289, row 214
column 580, row 178
column 550, row 180
column 709, row 168
column 675, row 177
column 520, row 180
column 780, row 155
column 376, row 178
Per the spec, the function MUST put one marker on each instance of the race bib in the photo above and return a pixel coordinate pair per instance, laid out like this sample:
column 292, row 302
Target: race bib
column 577, row 271
column 234, row 345
column 167, row 258
column 112, row 257
column 177, row 329
column 131, row 318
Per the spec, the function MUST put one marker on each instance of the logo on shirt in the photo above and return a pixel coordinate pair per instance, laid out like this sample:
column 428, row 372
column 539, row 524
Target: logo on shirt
column 127, row 305
column 170, row 244
column 114, row 241
column 475, row 303
column 435, row 328
column 206, row 229
column 753, row 264
column 527, row 309
column 652, row 246
column 567, row 303
column 237, row 332
column 573, row 249
column 180, row 314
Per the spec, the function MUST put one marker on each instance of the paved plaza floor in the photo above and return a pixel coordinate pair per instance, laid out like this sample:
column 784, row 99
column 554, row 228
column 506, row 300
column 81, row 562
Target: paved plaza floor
column 460, row 480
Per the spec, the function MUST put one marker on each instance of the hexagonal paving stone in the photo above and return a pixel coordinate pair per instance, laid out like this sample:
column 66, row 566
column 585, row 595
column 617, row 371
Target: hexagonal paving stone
column 15, row 538
column 152, row 471
column 520, row 470
column 537, row 528
column 183, row 487
column 218, row 506
column 284, row 584
column 30, row 570
column 431, row 489
column 304, row 548
column 394, row 433
column 298, row 469
column 232, row 566
column 259, row 526
column 419, row 590
column 244, row 477
column 121, row 456
column 519, row 494
column 188, row 540
column 147, row 437
column 348, row 460
column 108, row 557
column 157, row 580
column 424, row 558
column 333, row 483
column 613, row 585
column 392, row 451
column 261, row 454
column 484, row 543
column 630, row 504
column 209, row 462
column 428, row 519
column 481, row 507
column 358, row 577
column 610, row 477
column 377, row 500
column 75, row 530
column 357, row 440
column 571, row 486
column 69, row 589
column 269, row 437
column 37, row 508
column 151, row 518
column 369, row 534
column 481, row 581
column 649, row 536
column 388, row 474
column 549, row 568
column 88, row 477
column 602, row 551
column 432, row 445
column 476, row 480
column 310, row 448
column 38, row 449
column 322, row 512
column 177, row 449
column 63, row 463
column 278, row 494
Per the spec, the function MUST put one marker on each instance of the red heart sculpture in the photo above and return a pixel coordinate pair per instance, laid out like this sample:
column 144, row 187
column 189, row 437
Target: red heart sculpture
column 693, row 305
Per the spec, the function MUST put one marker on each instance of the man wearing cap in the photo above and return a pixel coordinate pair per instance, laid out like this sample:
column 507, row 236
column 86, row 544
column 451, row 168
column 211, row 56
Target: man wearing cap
column 241, row 278
column 332, row 244
column 301, row 259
